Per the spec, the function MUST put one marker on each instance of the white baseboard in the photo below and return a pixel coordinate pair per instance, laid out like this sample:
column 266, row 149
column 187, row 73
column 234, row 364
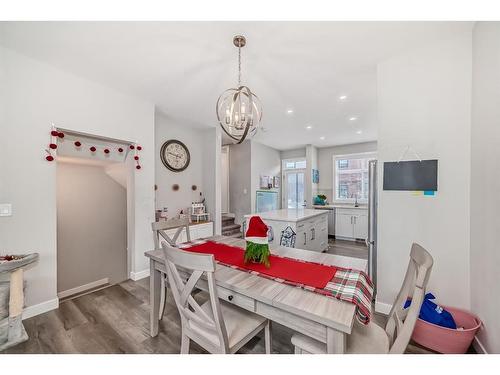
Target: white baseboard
column 478, row 346
column 382, row 308
column 139, row 275
column 83, row 288
column 30, row 311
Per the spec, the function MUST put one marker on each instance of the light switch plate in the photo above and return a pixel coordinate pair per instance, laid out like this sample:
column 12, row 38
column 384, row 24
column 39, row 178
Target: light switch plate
column 5, row 209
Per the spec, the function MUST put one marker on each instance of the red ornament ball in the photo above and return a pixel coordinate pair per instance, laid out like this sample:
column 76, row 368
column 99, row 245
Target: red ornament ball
column 120, row 149
column 93, row 149
column 60, row 135
column 136, row 157
column 54, row 133
column 78, row 143
column 49, row 158
column 53, row 146
column 132, row 147
column 139, row 148
column 137, row 167
column 106, row 151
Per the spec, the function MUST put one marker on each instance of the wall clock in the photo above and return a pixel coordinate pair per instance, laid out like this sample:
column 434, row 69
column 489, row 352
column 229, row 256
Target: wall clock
column 175, row 155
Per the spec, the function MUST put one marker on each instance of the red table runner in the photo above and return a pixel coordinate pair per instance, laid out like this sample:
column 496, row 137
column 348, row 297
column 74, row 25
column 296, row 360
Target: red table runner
column 299, row 272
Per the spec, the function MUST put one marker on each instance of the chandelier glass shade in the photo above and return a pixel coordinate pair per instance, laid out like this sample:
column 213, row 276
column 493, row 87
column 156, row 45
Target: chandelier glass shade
column 239, row 110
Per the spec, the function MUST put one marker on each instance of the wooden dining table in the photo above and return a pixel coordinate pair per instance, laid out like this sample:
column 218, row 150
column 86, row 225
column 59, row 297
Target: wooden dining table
column 323, row 318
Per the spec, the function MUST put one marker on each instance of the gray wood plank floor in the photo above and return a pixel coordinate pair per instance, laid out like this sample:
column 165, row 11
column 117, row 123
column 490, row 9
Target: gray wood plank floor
column 116, row 320
column 355, row 249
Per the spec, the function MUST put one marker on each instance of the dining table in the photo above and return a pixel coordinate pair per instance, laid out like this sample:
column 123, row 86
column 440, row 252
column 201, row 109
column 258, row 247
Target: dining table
column 323, row 318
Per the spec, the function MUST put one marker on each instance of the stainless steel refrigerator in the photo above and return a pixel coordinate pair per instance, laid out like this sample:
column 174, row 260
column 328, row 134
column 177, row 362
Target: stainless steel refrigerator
column 371, row 241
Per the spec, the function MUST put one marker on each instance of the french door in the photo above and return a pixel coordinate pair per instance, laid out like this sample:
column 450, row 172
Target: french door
column 294, row 189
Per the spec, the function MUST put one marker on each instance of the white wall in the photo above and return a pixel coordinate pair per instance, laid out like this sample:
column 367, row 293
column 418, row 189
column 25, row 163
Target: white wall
column 211, row 174
column 34, row 95
column 240, row 180
column 265, row 161
column 325, row 163
column 485, row 182
column 424, row 101
column 165, row 130
column 295, row 153
column 311, row 189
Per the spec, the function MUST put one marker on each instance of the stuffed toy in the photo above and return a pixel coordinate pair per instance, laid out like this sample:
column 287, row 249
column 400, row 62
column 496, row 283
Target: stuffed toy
column 257, row 249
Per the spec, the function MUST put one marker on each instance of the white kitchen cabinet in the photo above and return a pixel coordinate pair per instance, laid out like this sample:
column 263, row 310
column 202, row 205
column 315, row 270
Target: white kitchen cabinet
column 351, row 223
column 310, row 226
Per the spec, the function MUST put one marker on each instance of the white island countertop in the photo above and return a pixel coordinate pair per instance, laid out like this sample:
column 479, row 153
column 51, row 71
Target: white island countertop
column 289, row 214
column 332, row 206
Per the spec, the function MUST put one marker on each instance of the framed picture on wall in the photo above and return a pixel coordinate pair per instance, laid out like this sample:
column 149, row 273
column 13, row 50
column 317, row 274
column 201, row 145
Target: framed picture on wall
column 276, row 182
column 315, row 176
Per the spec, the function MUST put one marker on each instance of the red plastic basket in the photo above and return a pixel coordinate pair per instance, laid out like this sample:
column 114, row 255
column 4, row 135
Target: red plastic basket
column 446, row 340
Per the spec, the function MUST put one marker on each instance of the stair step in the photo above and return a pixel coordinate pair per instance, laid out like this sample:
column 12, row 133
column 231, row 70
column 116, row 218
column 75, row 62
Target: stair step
column 227, row 219
column 232, row 231
column 230, row 227
column 234, row 235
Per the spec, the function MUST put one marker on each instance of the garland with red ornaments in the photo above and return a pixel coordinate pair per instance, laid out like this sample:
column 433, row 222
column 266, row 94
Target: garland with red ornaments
column 57, row 136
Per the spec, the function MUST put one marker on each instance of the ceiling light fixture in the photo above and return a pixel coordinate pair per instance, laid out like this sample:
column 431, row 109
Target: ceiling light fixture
column 308, row 127
column 289, row 111
column 343, row 97
column 322, row 138
column 353, row 119
column 239, row 110
column 359, row 132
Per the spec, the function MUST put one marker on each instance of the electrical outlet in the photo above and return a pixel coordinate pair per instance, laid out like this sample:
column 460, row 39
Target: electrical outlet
column 5, row 209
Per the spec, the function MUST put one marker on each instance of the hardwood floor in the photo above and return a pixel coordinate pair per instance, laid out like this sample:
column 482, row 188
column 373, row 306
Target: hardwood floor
column 115, row 320
column 355, row 249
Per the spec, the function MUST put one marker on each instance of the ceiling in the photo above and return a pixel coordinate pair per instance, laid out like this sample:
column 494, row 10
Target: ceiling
column 182, row 67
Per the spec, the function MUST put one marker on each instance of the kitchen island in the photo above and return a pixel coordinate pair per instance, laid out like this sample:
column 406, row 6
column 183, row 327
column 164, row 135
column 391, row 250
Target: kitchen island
column 310, row 227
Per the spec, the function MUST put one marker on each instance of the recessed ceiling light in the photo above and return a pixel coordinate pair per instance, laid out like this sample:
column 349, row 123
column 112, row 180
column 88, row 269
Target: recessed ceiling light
column 353, row 118
column 309, row 127
column 343, row 97
column 322, row 138
column 289, row 111
column 359, row 132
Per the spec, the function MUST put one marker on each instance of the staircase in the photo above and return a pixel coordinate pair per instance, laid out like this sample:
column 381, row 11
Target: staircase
column 229, row 228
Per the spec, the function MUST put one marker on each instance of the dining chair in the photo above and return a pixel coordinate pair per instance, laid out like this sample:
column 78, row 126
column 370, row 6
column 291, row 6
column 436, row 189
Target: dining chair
column 159, row 229
column 217, row 326
column 371, row 338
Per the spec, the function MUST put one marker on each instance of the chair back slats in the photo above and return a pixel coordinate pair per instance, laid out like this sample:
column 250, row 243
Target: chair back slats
column 160, row 228
column 401, row 321
column 190, row 311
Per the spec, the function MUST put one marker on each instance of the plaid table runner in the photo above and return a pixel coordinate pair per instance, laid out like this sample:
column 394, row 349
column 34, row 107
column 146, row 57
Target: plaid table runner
column 347, row 285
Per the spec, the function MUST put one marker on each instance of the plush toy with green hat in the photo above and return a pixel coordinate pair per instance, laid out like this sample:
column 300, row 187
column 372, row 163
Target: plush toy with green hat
column 257, row 250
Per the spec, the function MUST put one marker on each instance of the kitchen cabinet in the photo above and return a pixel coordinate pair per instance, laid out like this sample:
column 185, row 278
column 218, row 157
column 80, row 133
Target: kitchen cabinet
column 310, row 226
column 351, row 223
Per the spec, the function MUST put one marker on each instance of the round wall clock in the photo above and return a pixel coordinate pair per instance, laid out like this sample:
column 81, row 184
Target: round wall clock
column 175, row 155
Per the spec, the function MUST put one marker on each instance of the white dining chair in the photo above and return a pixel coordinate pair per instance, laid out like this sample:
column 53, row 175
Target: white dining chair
column 217, row 326
column 159, row 229
column 373, row 339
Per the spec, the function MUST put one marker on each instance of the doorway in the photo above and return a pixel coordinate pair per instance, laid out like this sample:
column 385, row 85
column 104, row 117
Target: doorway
column 294, row 183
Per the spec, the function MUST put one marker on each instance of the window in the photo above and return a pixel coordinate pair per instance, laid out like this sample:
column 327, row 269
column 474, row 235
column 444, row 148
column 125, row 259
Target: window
column 294, row 164
column 351, row 176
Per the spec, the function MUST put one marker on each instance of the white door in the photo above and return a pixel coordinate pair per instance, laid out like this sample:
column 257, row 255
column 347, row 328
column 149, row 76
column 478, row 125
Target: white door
column 294, row 189
column 224, row 157
column 361, row 226
column 344, row 225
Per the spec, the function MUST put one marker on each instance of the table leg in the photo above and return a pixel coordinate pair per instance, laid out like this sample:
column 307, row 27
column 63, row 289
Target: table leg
column 335, row 341
column 154, row 298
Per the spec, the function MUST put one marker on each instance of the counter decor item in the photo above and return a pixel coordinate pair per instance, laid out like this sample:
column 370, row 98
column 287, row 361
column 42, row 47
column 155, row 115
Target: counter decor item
column 257, row 249
column 199, row 213
column 320, row 200
column 12, row 331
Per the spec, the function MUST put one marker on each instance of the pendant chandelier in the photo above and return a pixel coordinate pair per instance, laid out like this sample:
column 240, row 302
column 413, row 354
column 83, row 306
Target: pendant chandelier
column 239, row 110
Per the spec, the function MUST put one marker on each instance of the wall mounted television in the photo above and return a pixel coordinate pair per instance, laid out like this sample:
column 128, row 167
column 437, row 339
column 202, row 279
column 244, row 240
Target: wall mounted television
column 420, row 175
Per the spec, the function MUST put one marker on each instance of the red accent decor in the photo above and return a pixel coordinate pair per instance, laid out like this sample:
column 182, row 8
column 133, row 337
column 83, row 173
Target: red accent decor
column 256, row 228
column 132, row 147
column 93, row 149
column 137, row 167
column 53, row 146
column 136, row 157
column 49, row 158
column 54, row 133
column 120, row 149
column 311, row 274
column 106, row 151
column 139, row 148
column 78, row 143
column 60, row 135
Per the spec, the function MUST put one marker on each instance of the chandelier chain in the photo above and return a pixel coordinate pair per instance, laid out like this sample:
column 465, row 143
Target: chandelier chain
column 239, row 65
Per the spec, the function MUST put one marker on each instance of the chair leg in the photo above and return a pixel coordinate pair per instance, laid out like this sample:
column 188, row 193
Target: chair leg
column 185, row 344
column 163, row 296
column 268, row 338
